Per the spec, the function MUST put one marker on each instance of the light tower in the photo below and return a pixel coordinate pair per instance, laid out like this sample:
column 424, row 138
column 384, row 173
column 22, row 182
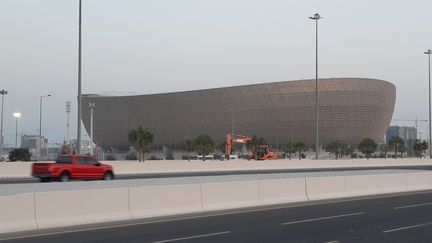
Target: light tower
column 68, row 111
column 92, row 108
column 2, row 93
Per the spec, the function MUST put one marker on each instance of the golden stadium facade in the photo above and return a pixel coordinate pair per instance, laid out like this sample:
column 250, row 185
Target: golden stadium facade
column 350, row 109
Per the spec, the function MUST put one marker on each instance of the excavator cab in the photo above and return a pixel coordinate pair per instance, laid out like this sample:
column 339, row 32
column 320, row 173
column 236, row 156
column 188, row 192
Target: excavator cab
column 263, row 153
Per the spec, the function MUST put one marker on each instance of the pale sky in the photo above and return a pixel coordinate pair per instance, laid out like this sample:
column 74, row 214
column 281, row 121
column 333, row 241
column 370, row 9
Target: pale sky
column 153, row 46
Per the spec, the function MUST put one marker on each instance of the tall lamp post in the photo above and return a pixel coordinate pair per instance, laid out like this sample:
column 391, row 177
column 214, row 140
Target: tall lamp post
column 3, row 93
column 92, row 108
column 428, row 52
column 40, row 126
column 316, row 17
column 16, row 115
column 78, row 143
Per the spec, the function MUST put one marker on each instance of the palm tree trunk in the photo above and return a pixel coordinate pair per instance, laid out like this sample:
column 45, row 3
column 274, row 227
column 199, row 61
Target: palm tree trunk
column 140, row 155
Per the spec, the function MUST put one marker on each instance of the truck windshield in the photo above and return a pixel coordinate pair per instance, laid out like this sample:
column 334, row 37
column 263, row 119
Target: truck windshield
column 64, row 160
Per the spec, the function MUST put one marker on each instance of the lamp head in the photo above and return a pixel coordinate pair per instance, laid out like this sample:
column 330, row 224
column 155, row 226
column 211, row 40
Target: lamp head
column 315, row 17
column 428, row 52
column 17, row 114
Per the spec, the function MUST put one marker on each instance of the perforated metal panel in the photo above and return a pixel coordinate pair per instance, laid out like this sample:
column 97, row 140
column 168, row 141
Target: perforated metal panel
column 350, row 109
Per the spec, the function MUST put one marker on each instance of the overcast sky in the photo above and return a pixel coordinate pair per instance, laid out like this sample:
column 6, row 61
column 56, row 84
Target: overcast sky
column 153, row 46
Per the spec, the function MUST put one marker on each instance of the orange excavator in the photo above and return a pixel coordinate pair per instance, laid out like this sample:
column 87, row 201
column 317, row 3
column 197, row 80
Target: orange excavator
column 260, row 152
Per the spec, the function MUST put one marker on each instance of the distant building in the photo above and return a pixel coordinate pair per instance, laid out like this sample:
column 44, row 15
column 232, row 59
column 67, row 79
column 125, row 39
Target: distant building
column 33, row 143
column 408, row 134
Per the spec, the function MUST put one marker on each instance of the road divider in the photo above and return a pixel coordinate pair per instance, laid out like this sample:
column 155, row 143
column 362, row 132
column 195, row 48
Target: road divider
column 390, row 183
column 418, row 181
column 228, row 195
column 325, row 187
column 65, row 208
column 40, row 210
column 152, row 201
column 361, row 185
column 282, row 191
column 17, row 213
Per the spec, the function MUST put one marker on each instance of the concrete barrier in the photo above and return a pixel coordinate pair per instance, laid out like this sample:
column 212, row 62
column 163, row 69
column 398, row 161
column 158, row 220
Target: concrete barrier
column 282, row 191
column 418, row 181
column 325, row 187
column 151, row 201
column 389, row 183
column 17, row 213
column 227, row 195
column 64, row 208
column 360, row 185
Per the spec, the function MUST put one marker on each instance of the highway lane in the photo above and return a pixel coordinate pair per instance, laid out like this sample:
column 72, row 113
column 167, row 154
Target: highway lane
column 396, row 218
column 236, row 172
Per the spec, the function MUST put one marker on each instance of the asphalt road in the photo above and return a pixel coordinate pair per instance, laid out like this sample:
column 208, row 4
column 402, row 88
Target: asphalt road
column 397, row 218
column 239, row 172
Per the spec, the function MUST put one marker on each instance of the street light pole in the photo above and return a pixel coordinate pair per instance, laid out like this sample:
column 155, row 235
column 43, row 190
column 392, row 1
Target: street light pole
column 78, row 143
column 3, row 93
column 428, row 52
column 92, row 108
column 16, row 115
column 40, row 126
column 316, row 17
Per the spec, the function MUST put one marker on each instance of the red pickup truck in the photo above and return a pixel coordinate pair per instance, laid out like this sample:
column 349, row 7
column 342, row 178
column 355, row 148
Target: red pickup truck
column 74, row 166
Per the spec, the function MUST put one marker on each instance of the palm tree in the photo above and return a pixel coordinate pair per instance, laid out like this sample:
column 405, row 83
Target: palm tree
column 290, row 148
column 142, row 140
column 397, row 144
column 385, row 148
column 367, row 146
column 189, row 146
column 204, row 144
column 300, row 147
column 337, row 148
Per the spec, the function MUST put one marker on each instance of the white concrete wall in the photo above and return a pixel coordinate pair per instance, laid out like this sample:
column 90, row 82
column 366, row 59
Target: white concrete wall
column 63, row 208
column 282, row 191
column 17, row 213
column 226, row 195
column 152, row 201
column 23, row 169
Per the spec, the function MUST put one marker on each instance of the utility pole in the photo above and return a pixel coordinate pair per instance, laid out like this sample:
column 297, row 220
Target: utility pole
column 3, row 93
column 316, row 17
column 68, row 111
column 429, row 52
column 78, row 142
column 92, row 108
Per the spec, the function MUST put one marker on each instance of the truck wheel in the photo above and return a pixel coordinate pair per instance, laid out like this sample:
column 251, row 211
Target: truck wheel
column 108, row 176
column 64, row 177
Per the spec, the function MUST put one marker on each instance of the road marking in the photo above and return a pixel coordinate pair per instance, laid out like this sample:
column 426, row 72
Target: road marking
column 323, row 218
column 193, row 237
column 407, row 227
column 307, row 204
column 333, row 241
column 414, row 205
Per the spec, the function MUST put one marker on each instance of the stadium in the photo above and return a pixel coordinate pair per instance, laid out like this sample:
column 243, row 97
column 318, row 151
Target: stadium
column 350, row 109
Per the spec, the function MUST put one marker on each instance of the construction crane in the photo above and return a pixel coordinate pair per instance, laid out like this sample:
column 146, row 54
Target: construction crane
column 410, row 120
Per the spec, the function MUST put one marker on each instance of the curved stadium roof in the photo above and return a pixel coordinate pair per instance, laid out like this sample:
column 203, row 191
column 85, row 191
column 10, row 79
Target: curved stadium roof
column 350, row 109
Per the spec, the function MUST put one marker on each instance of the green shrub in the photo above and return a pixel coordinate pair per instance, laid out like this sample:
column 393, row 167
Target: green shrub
column 20, row 154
